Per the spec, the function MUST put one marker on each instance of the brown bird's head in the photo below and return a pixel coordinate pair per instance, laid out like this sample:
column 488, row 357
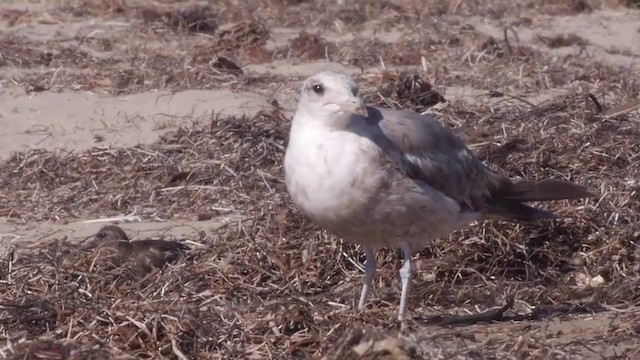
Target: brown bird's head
column 111, row 232
column 105, row 236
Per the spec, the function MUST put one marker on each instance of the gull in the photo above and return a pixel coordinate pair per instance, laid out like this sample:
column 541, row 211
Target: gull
column 380, row 177
column 147, row 254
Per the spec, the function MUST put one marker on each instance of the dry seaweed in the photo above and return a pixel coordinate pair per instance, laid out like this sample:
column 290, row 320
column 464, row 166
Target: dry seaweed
column 275, row 286
column 308, row 46
column 235, row 297
column 405, row 90
column 562, row 40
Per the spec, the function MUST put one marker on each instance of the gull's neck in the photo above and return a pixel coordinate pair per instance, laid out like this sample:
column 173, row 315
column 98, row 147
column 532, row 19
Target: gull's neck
column 306, row 118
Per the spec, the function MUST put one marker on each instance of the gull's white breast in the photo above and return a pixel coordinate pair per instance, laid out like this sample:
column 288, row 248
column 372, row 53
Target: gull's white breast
column 329, row 174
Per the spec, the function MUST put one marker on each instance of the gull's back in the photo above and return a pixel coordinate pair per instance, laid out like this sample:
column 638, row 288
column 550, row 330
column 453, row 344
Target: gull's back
column 433, row 155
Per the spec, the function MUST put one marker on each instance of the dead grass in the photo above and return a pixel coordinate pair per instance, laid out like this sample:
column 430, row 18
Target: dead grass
column 562, row 40
column 276, row 286
column 308, row 46
column 176, row 46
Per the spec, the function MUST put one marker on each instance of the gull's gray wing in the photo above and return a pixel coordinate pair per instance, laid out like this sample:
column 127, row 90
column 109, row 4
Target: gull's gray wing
column 429, row 152
column 426, row 151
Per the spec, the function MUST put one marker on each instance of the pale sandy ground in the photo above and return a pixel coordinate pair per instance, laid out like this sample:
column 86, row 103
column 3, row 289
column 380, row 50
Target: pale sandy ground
column 78, row 120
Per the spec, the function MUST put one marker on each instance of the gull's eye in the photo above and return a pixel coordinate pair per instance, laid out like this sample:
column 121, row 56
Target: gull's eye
column 318, row 89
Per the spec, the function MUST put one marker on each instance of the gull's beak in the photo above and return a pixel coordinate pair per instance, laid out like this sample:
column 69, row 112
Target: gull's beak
column 354, row 106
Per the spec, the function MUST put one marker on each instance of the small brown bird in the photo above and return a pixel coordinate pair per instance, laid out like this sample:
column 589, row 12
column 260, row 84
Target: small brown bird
column 146, row 254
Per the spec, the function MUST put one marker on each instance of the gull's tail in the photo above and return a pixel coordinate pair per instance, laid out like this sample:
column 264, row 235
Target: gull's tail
column 507, row 201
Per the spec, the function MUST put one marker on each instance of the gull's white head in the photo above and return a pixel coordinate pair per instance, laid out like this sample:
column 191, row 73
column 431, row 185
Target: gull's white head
column 330, row 93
